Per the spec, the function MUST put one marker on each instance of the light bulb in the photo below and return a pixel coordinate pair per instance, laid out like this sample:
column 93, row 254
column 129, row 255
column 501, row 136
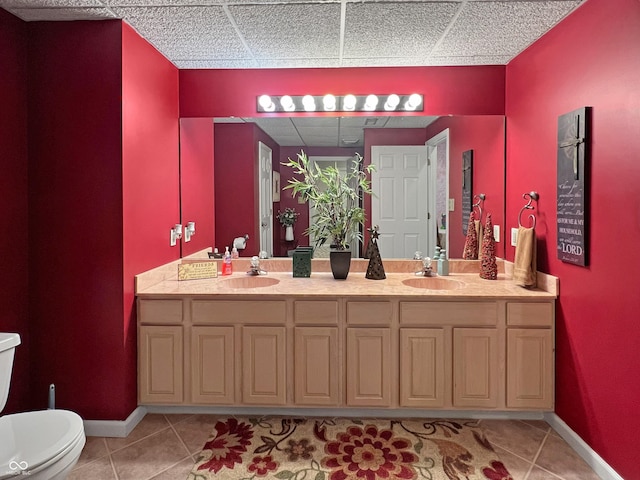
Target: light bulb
column 414, row 101
column 371, row 103
column 329, row 102
column 392, row 102
column 287, row 103
column 266, row 103
column 349, row 102
column 309, row 103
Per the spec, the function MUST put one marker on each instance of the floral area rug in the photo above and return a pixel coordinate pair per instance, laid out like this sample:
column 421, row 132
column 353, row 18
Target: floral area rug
column 244, row 448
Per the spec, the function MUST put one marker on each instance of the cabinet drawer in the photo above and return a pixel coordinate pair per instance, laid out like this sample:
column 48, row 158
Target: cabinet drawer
column 530, row 314
column 232, row 312
column 311, row 312
column 160, row 312
column 369, row 313
column 449, row 313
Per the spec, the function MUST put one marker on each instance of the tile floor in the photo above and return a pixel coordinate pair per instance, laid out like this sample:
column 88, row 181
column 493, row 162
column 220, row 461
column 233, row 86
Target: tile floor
column 164, row 447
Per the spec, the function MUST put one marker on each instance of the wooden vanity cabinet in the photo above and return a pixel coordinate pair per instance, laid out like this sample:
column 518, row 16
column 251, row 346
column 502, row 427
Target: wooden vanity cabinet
column 212, row 365
column 422, row 367
column 369, row 353
column 317, row 365
column 345, row 352
column 263, row 365
column 160, row 352
column 530, row 354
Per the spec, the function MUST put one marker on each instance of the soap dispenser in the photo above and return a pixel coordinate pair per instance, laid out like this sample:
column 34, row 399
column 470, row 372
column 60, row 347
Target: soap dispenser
column 227, row 266
column 443, row 263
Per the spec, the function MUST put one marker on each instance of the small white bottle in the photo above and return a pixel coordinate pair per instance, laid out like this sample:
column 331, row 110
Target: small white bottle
column 443, row 264
column 234, row 253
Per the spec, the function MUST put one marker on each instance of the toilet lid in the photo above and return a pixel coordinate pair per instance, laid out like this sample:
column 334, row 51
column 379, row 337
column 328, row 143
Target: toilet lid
column 32, row 439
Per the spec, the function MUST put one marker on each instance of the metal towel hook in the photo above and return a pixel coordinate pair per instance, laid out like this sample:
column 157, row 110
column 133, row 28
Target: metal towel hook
column 479, row 204
column 532, row 196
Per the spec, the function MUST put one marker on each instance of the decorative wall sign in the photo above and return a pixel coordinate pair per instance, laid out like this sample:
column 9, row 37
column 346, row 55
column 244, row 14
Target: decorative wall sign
column 196, row 270
column 573, row 160
column 467, row 187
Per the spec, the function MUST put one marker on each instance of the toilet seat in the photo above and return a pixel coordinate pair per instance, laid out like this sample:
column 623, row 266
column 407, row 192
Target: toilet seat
column 32, row 441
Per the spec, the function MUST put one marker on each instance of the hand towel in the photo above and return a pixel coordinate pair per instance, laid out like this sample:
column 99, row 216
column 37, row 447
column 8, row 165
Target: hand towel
column 525, row 263
column 480, row 236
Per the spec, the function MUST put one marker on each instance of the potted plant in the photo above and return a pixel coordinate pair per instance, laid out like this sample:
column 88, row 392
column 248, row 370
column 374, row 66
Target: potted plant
column 287, row 219
column 337, row 200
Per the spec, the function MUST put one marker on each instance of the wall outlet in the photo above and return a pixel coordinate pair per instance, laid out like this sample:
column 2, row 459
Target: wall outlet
column 514, row 237
column 452, row 204
column 496, row 233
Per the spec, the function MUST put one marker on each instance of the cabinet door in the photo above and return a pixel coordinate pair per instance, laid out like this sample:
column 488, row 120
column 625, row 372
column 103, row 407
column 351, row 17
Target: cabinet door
column 529, row 368
column 317, row 368
column 160, row 364
column 263, row 365
column 422, row 367
column 212, row 365
column 369, row 367
column 475, row 367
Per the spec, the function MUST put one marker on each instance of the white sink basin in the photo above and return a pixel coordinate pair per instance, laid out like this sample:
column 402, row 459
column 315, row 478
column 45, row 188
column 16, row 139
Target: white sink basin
column 250, row 282
column 433, row 283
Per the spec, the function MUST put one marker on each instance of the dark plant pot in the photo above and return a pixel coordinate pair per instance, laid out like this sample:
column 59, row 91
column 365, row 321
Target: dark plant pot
column 340, row 263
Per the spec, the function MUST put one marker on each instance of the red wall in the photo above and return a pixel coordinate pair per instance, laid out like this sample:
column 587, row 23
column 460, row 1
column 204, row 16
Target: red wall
column 196, row 181
column 103, row 192
column 235, row 186
column 591, row 59
column 448, row 90
column 14, row 200
column 150, row 189
column 75, row 217
column 484, row 134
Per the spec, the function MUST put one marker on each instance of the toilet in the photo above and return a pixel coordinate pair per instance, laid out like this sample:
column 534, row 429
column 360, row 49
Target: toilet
column 41, row 445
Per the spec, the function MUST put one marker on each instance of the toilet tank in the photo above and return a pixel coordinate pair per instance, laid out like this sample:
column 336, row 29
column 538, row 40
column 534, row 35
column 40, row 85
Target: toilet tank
column 8, row 344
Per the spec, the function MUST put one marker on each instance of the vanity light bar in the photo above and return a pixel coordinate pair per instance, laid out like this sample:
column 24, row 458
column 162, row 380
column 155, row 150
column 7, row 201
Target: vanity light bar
column 340, row 103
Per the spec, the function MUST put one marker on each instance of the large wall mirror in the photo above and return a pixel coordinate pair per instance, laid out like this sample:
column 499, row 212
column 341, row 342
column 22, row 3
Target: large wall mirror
column 444, row 140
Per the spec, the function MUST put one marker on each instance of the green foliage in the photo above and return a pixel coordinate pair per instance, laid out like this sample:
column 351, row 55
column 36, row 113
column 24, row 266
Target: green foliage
column 337, row 199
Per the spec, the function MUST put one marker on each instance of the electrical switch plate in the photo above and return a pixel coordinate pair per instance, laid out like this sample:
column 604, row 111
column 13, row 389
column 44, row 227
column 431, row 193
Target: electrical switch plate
column 496, row 233
column 514, row 237
column 452, row 204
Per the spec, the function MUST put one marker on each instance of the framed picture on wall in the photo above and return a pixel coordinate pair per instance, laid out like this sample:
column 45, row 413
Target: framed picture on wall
column 276, row 187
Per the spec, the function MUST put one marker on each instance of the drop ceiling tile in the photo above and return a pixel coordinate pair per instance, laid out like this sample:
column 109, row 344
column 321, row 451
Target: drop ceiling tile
column 470, row 60
column 187, row 33
column 410, row 122
column 383, row 62
column 501, row 28
column 227, row 63
column 61, row 14
column 8, row 4
column 298, row 62
column 395, row 29
column 162, row 3
column 310, row 122
column 290, row 30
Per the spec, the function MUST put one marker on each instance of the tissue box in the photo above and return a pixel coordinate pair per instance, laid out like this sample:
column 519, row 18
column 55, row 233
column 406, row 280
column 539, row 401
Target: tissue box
column 302, row 262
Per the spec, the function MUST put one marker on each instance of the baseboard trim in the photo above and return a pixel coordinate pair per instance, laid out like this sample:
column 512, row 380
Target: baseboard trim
column 114, row 428
column 595, row 461
column 345, row 412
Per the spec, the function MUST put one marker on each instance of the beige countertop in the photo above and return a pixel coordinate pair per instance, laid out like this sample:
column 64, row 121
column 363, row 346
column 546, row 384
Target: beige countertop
column 322, row 284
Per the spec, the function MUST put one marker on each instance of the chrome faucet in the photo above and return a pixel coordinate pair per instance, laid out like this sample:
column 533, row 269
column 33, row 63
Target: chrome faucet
column 426, row 270
column 255, row 267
